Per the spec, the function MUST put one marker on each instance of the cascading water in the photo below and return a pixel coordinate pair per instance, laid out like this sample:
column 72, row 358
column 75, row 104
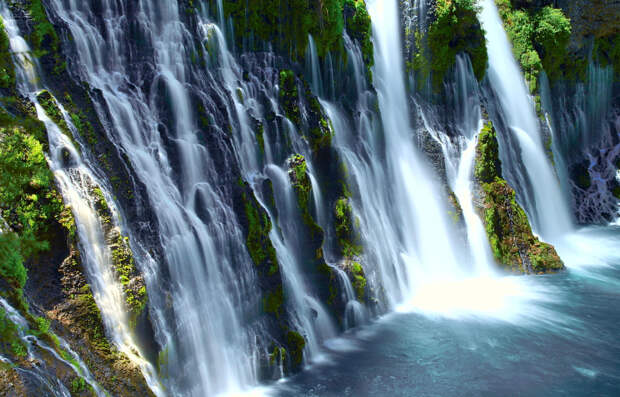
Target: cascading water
column 210, row 346
column 428, row 250
column 460, row 167
column 310, row 316
column 76, row 182
column 584, row 130
column 37, row 349
column 544, row 202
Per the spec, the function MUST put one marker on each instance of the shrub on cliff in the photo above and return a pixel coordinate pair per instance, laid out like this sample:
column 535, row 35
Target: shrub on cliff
column 456, row 29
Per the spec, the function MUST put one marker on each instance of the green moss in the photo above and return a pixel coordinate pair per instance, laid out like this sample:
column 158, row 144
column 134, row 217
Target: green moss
column 49, row 104
column 487, row 166
column 259, row 245
column 303, row 190
column 289, row 96
column 277, row 356
column 348, row 239
column 287, row 24
column 296, row 344
column 455, row 29
column 273, row 302
column 89, row 317
column 456, row 212
column 359, row 280
column 7, row 69
column 320, row 130
column 616, row 191
column 122, row 259
column 78, row 385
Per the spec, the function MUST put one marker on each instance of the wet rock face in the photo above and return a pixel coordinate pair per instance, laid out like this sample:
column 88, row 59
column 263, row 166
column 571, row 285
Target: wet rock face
column 513, row 244
column 596, row 18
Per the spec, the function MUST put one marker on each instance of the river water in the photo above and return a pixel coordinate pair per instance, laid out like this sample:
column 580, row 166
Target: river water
column 552, row 335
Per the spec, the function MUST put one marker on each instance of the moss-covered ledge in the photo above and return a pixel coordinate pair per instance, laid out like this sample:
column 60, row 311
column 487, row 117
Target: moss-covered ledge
column 327, row 282
column 513, row 244
column 287, row 25
column 313, row 124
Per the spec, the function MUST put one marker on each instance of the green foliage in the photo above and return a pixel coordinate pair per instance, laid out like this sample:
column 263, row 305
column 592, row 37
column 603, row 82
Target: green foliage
column 10, row 341
column 287, row 24
column 455, row 29
column 289, row 96
column 551, row 36
column 539, row 39
column 7, row 69
column 29, row 201
column 607, row 52
column 78, row 385
column 359, row 27
column 11, row 261
column 43, row 37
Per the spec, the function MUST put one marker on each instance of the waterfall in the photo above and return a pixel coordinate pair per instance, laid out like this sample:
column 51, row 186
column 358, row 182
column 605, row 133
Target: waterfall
column 35, row 348
column 428, row 249
column 309, row 315
column 76, row 182
column 460, row 161
column 544, row 201
column 584, row 130
column 210, row 348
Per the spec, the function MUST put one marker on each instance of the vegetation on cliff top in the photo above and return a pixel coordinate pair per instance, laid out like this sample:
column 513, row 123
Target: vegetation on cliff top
column 29, row 201
column 513, row 244
column 287, row 25
column 7, row 71
column 455, row 29
column 540, row 37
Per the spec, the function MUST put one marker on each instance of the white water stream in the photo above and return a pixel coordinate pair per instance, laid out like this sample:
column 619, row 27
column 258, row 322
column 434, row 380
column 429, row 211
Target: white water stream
column 76, row 182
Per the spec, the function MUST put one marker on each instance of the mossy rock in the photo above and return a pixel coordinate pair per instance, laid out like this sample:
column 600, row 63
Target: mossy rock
column 345, row 226
column 296, row 344
column 131, row 280
column 513, row 244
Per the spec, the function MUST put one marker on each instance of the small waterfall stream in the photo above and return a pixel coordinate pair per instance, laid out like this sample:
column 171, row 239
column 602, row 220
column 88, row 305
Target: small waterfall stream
column 548, row 210
column 310, row 315
column 76, row 183
column 428, row 249
column 35, row 348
